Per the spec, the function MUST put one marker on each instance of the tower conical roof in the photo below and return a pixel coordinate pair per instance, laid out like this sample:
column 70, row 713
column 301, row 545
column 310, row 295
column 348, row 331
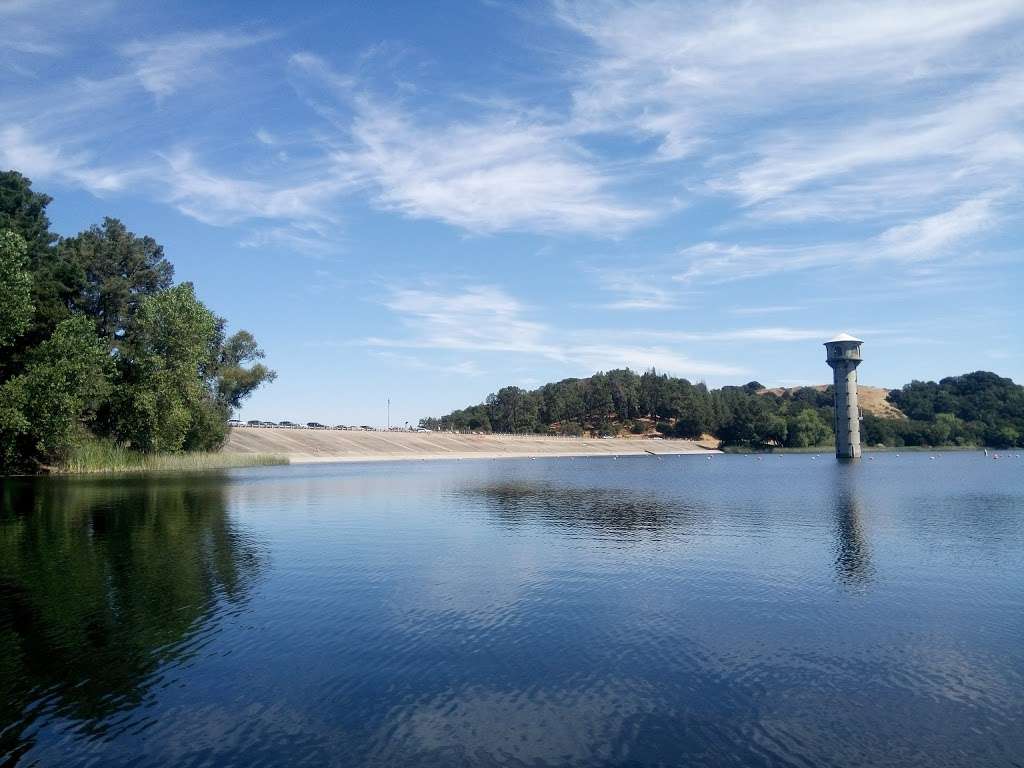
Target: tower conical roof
column 844, row 337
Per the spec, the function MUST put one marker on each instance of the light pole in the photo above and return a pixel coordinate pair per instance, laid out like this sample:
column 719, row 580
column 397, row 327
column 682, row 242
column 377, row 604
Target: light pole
column 389, row 414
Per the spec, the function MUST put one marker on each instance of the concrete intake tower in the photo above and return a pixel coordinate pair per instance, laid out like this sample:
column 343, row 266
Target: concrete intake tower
column 843, row 356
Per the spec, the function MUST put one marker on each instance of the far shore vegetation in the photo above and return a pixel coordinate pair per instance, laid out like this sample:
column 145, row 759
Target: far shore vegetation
column 972, row 410
column 105, row 362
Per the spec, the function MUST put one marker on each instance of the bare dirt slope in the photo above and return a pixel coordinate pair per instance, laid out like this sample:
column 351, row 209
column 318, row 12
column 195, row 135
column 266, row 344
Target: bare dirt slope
column 872, row 399
column 339, row 445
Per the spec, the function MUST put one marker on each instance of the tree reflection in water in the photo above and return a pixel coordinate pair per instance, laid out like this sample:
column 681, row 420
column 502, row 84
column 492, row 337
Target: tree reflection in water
column 102, row 585
column 609, row 509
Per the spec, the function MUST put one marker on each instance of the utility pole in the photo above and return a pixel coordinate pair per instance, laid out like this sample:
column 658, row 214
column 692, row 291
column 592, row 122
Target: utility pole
column 389, row 414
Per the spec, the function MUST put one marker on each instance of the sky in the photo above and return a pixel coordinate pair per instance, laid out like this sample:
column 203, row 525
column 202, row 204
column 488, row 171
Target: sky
column 424, row 202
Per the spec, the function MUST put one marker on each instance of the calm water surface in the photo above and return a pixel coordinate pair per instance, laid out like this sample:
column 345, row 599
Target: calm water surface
column 681, row 611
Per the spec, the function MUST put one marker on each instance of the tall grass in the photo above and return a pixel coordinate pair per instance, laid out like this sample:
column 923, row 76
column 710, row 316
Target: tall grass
column 100, row 456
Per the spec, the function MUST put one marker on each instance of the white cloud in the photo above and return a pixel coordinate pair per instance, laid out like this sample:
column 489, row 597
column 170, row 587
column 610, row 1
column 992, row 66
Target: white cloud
column 603, row 357
column 930, row 238
column 171, row 63
column 976, row 140
column 461, row 368
column 486, row 319
column 637, row 289
column 804, row 111
column 299, row 237
column 36, row 159
column 934, row 235
column 497, row 173
column 667, row 69
column 480, row 318
column 795, row 112
column 43, row 28
column 221, row 200
column 503, row 169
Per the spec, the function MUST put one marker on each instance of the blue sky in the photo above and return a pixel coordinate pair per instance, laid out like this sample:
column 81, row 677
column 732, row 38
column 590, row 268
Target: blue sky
column 428, row 201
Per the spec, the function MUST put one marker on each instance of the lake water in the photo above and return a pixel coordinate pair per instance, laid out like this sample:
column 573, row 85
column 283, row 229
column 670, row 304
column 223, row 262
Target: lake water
column 737, row 610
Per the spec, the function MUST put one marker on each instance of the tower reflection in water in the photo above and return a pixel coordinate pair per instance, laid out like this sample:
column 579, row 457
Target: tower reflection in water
column 853, row 566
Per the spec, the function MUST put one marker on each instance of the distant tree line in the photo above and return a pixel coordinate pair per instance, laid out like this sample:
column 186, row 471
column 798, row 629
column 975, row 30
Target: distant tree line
column 97, row 341
column 975, row 409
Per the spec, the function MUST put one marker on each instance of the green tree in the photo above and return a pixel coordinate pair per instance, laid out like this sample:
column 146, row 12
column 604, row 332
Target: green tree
column 165, row 403
column 806, row 429
column 15, row 287
column 46, row 408
column 116, row 271
column 23, row 211
column 234, row 381
column 512, row 409
column 694, row 413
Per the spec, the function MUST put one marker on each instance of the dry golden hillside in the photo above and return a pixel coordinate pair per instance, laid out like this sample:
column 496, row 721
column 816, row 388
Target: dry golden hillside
column 872, row 399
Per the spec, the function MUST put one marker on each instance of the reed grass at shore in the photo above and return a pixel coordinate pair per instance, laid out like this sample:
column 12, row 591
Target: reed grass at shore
column 101, row 457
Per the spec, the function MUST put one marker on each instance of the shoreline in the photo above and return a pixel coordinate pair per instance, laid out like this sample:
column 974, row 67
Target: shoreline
column 490, row 456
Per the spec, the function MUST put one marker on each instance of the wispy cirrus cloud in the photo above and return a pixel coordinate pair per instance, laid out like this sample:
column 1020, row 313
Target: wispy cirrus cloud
column 931, row 238
column 800, row 112
column 33, row 28
column 506, row 168
column 221, row 199
column 168, row 64
column 791, row 113
column 635, row 289
column 77, row 167
column 486, row 319
column 460, row 368
column 481, row 318
column 974, row 143
column 669, row 69
column 518, row 175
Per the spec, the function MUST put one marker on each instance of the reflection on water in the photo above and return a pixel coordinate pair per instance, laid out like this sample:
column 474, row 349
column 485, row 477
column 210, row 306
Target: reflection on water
column 853, row 555
column 738, row 611
column 612, row 509
column 102, row 583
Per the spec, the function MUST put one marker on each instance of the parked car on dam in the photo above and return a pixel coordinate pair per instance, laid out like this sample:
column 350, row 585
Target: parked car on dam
column 315, row 425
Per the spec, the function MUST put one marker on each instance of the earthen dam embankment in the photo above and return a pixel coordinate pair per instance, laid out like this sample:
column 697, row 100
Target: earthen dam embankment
column 312, row 445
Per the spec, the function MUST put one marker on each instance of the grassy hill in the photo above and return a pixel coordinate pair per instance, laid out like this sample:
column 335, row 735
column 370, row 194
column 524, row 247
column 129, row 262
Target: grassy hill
column 873, row 400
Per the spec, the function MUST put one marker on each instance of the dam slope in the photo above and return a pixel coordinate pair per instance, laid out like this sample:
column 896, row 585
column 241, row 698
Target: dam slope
column 308, row 445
